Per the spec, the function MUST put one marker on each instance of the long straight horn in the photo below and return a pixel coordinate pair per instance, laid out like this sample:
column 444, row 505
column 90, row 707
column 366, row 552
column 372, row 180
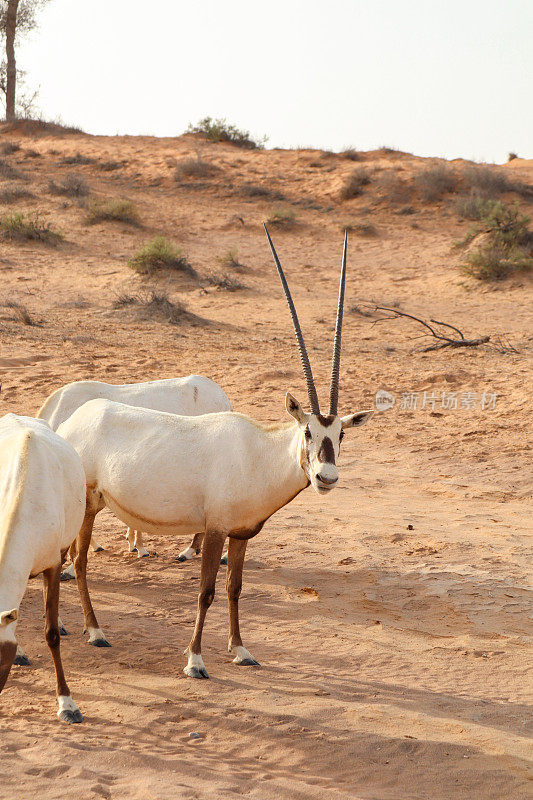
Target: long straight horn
column 335, row 366
column 311, row 391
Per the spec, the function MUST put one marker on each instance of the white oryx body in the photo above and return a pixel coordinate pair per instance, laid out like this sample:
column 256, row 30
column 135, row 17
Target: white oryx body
column 191, row 395
column 223, row 474
column 42, row 505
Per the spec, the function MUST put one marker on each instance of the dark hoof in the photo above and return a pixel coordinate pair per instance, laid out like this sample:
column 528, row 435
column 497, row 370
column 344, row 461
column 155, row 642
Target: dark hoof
column 248, row 662
column 71, row 716
column 66, row 576
column 22, row 661
column 100, row 643
column 99, row 549
column 181, row 559
column 194, row 672
column 146, row 555
column 224, row 560
column 63, row 631
column 197, row 551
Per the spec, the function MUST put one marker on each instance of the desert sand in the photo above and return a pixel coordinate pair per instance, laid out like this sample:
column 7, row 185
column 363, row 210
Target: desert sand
column 390, row 618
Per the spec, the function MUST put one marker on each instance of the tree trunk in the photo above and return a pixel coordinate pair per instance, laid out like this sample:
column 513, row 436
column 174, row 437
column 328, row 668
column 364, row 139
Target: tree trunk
column 11, row 82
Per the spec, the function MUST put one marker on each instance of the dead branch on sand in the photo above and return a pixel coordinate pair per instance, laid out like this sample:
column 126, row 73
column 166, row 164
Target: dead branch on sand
column 444, row 339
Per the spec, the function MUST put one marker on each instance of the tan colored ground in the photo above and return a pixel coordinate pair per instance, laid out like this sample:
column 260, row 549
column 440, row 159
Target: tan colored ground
column 394, row 659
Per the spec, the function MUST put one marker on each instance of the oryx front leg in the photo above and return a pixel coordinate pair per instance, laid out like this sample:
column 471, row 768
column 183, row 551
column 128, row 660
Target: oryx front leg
column 236, row 552
column 96, row 635
column 211, row 552
column 68, row 710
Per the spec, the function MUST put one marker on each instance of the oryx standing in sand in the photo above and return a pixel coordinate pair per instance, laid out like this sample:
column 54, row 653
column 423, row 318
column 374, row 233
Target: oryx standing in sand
column 225, row 474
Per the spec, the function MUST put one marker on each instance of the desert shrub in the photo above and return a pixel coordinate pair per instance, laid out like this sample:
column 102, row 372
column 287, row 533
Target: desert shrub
column 29, row 126
column 360, row 228
column 71, row 185
column 14, row 193
column 487, row 181
column 494, row 261
column 230, row 260
column 31, row 153
column 77, row 158
column 436, row 181
column 393, row 187
column 219, row 130
column 258, row 190
column 354, row 183
column 194, row 168
column 9, row 147
column 351, row 154
column 160, row 254
column 406, row 211
column 110, row 166
column 224, row 281
column 469, row 206
column 20, row 313
column 155, row 305
column 512, row 156
column 9, row 172
column 112, row 209
column 282, row 217
column 28, row 227
column 507, row 245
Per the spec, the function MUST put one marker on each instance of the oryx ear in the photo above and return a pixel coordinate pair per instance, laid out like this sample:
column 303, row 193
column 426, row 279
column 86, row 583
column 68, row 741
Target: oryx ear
column 294, row 408
column 356, row 420
column 7, row 617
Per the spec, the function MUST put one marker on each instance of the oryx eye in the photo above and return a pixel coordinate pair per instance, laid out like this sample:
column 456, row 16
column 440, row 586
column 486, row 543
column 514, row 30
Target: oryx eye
column 341, row 436
column 307, row 434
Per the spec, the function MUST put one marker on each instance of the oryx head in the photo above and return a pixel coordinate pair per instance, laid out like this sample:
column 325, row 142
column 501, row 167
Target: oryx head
column 322, row 434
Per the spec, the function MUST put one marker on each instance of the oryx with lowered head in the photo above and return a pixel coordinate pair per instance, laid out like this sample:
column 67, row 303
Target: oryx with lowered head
column 224, row 474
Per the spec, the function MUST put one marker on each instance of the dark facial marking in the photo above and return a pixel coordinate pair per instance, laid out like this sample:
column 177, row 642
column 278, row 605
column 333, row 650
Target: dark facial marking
column 326, row 454
column 326, row 421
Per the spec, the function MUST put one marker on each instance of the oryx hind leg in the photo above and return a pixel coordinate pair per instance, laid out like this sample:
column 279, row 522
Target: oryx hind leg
column 195, row 549
column 211, row 552
column 81, row 545
column 236, row 553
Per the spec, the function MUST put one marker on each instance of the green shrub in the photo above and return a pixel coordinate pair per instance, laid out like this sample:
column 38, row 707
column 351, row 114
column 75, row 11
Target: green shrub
column 160, row 254
column 230, row 260
column 219, row 130
column 495, row 261
column 25, row 227
column 354, row 183
column 116, row 210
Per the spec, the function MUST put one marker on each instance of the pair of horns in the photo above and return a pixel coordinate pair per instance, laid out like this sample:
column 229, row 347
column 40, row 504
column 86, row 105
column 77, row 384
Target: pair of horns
column 335, row 366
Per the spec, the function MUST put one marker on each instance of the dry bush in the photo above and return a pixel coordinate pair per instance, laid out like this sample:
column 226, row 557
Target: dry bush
column 512, row 156
column 20, row 313
column 354, row 183
column 406, row 210
column 160, row 254
column 112, row 209
column 77, row 158
column 487, row 181
column 9, row 147
column 27, row 126
column 351, row 154
column 28, row 227
column 394, row 188
column 282, row 217
column 360, row 228
column 224, row 281
column 71, row 185
column 258, row 190
column 110, row 166
column 436, row 181
column 31, row 153
column 157, row 305
column 9, row 172
column 194, row 168
column 219, row 130
column 14, row 193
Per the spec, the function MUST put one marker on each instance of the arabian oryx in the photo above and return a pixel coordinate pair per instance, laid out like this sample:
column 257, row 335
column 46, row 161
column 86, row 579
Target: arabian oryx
column 42, row 503
column 225, row 474
column 191, row 396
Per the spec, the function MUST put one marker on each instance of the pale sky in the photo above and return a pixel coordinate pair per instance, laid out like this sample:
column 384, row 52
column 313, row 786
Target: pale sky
column 434, row 77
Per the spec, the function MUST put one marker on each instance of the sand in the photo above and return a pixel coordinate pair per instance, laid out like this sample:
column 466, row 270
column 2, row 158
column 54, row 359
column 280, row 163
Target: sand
column 390, row 618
